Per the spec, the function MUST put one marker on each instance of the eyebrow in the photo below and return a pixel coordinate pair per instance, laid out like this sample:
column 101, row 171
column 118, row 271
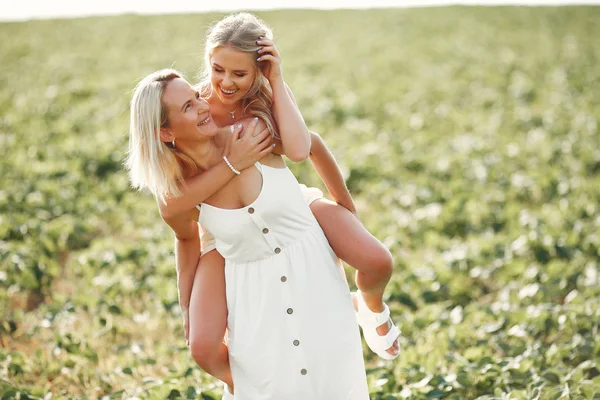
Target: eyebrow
column 237, row 70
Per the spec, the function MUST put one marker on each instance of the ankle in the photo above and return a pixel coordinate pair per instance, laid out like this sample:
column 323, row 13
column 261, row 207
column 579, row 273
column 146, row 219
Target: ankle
column 374, row 301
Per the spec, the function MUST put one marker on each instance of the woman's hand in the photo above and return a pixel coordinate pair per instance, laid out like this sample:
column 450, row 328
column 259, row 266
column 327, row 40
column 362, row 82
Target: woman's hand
column 268, row 54
column 249, row 148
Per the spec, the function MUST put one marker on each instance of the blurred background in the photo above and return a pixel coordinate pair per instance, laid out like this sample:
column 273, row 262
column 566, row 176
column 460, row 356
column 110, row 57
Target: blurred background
column 27, row 9
column 468, row 136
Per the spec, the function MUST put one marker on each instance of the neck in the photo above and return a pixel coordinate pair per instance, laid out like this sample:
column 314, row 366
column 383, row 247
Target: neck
column 223, row 112
column 209, row 153
column 233, row 108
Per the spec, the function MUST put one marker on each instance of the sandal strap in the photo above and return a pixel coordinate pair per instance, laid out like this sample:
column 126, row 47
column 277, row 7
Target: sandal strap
column 382, row 317
column 391, row 337
column 374, row 319
column 381, row 343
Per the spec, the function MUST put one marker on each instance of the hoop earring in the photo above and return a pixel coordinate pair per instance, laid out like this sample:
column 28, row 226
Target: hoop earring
column 173, row 142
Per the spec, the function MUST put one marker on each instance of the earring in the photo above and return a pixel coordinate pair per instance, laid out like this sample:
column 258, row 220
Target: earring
column 173, row 142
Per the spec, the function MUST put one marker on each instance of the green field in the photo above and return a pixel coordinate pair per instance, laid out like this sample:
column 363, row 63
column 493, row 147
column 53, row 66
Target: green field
column 470, row 140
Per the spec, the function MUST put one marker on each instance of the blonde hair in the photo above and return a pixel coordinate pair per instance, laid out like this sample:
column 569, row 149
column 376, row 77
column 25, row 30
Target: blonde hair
column 240, row 32
column 152, row 163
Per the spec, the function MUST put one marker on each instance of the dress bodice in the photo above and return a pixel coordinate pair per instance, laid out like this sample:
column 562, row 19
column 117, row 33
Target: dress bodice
column 273, row 220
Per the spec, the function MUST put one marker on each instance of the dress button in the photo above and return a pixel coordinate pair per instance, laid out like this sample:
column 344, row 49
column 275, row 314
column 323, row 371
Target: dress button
column 251, row 210
column 283, row 279
column 277, row 250
column 266, row 230
column 303, row 371
column 296, row 342
column 290, row 311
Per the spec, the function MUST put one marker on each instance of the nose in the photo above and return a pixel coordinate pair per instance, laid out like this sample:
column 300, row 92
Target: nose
column 227, row 82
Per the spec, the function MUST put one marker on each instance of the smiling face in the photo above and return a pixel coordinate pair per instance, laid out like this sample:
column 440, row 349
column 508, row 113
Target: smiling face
column 188, row 114
column 232, row 75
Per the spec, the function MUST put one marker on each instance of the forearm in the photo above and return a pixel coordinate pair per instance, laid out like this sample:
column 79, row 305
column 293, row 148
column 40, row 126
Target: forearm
column 295, row 137
column 187, row 256
column 198, row 189
column 329, row 172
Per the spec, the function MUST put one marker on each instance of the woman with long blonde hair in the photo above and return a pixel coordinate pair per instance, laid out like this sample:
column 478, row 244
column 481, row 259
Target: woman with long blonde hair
column 238, row 87
column 291, row 323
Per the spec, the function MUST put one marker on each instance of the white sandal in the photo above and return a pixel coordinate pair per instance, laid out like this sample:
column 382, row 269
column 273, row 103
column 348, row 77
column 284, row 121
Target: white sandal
column 369, row 321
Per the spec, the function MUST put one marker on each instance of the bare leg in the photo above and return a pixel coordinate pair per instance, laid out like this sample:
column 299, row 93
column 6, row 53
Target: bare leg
column 208, row 318
column 354, row 244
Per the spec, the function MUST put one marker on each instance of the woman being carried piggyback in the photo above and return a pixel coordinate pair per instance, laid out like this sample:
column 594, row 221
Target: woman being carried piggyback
column 241, row 87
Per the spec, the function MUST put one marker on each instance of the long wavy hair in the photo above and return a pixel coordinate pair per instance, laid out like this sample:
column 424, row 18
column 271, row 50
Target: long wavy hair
column 240, row 31
column 152, row 163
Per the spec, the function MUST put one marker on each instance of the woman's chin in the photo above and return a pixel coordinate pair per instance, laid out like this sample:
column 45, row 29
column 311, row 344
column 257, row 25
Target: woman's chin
column 209, row 129
column 229, row 100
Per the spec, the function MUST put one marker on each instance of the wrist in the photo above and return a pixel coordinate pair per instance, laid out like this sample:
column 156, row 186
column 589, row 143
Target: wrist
column 277, row 83
column 231, row 165
column 239, row 162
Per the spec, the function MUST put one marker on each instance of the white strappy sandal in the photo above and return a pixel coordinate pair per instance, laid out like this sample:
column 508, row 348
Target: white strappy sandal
column 369, row 321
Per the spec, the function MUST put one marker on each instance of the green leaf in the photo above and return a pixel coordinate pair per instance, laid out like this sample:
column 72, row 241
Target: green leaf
column 463, row 379
column 435, row 394
column 209, row 395
column 114, row 309
column 191, row 392
column 551, row 376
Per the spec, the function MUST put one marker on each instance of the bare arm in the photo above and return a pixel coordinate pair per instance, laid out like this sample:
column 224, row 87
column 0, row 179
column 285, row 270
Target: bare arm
column 196, row 190
column 295, row 137
column 294, row 134
column 327, row 168
column 329, row 172
column 187, row 252
column 244, row 152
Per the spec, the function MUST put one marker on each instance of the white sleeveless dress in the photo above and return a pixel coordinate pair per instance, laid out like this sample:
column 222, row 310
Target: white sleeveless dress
column 291, row 324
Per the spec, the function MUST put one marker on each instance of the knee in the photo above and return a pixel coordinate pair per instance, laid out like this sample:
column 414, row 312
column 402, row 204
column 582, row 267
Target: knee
column 382, row 262
column 204, row 352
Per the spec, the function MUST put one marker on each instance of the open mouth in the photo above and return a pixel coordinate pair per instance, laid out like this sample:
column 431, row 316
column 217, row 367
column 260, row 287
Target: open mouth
column 205, row 121
column 227, row 92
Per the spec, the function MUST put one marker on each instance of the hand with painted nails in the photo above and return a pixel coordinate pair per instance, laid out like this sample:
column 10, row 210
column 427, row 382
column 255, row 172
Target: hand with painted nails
column 269, row 59
column 251, row 147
